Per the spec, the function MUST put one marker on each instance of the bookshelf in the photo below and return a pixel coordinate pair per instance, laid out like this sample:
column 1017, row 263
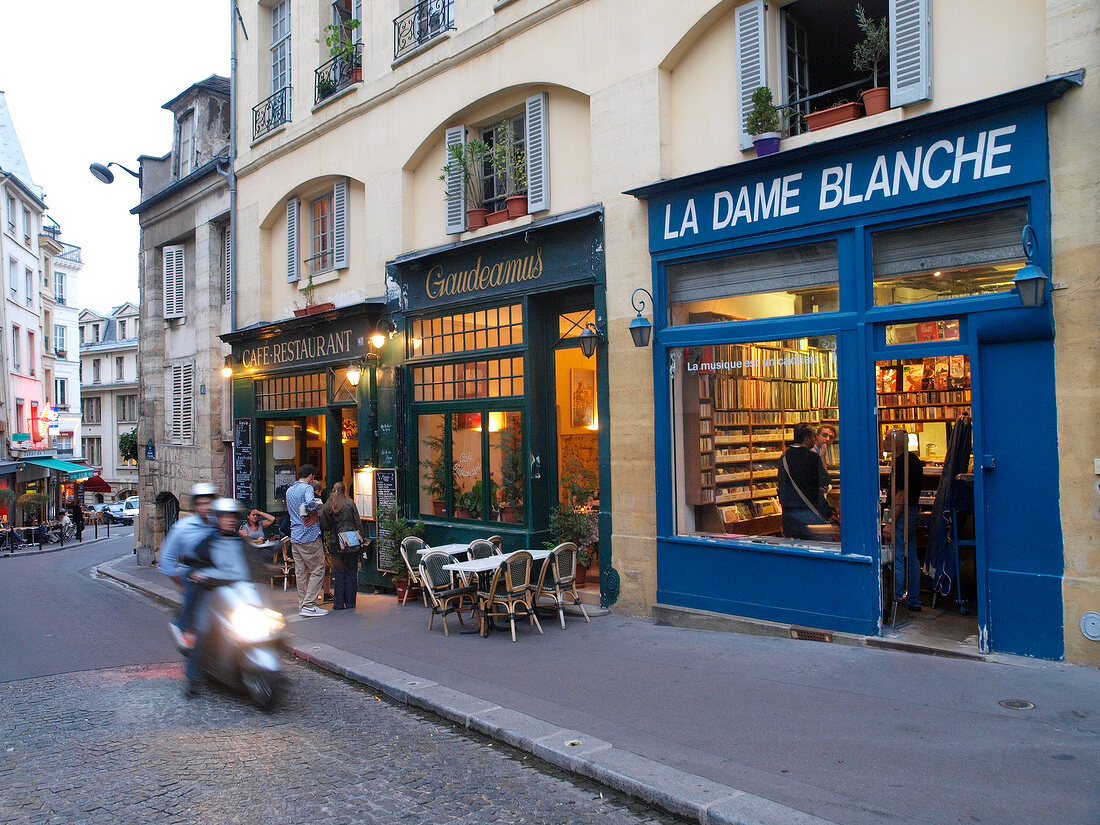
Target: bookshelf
column 739, row 409
column 923, row 390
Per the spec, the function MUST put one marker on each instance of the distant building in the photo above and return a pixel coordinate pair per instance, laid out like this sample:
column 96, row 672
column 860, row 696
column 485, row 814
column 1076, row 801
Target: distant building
column 184, row 219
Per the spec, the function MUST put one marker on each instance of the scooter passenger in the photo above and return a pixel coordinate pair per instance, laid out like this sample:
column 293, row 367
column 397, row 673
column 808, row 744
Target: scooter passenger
column 220, row 554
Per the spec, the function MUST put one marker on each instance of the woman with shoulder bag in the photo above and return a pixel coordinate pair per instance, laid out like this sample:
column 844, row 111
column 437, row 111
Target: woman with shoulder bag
column 341, row 523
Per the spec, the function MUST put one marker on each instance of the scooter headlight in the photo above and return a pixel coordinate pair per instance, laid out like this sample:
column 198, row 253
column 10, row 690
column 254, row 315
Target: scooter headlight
column 254, row 624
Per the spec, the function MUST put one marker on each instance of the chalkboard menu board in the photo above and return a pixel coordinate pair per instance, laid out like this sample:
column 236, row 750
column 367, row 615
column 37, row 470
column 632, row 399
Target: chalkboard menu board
column 242, row 459
column 385, row 485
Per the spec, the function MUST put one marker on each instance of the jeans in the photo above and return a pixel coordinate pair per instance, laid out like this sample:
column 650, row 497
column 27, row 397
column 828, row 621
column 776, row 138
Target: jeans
column 202, row 630
column 905, row 558
column 345, row 579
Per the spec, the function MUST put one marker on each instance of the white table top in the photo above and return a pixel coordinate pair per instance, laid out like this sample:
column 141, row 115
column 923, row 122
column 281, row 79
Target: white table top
column 490, row 563
column 453, row 549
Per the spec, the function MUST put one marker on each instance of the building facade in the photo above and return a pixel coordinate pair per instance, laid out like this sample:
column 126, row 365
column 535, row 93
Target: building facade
column 109, row 395
column 185, row 305
column 813, row 285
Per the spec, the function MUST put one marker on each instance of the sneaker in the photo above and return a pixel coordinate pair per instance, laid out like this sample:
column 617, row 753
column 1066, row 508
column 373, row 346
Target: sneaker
column 312, row 610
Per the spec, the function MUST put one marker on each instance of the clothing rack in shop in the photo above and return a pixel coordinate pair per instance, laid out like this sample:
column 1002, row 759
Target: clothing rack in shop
column 954, row 497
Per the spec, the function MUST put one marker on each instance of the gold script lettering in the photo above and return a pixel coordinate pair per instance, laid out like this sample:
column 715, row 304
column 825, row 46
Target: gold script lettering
column 481, row 276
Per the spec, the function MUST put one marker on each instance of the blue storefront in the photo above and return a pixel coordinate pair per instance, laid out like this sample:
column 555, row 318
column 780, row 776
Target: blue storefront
column 862, row 284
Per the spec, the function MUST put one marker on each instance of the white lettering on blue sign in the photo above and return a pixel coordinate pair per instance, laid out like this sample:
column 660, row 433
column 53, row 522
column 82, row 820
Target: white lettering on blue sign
column 765, row 200
column 689, row 222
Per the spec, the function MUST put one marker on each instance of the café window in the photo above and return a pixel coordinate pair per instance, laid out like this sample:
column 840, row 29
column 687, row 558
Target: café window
column 792, row 280
column 737, row 408
column 472, row 465
column 955, row 258
column 474, row 330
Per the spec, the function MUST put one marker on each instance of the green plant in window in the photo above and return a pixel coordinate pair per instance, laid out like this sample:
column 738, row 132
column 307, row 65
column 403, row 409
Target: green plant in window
column 437, row 471
column 340, row 39
column 763, row 117
column 570, row 521
column 512, row 469
column 468, row 158
column 128, row 445
column 873, row 51
column 510, row 162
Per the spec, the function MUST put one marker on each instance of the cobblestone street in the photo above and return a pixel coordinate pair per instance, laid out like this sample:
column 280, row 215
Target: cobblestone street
column 122, row 746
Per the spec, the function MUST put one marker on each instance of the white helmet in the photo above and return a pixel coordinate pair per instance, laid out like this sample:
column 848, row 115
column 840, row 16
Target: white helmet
column 203, row 489
column 224, row 506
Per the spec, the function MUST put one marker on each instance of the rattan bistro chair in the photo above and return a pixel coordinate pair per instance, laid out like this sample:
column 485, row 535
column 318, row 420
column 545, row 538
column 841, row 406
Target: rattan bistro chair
column 282, row 564
column 413, row 544
column 558, row 580
column 440, row 587
column 482, row 549
column 510, row 588
column 498, row 543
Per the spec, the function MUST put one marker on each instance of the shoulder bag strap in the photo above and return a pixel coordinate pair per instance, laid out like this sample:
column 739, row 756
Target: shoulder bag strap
column 798, row 489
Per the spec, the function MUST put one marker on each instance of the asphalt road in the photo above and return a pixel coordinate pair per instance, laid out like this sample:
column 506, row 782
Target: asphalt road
column 93, row 729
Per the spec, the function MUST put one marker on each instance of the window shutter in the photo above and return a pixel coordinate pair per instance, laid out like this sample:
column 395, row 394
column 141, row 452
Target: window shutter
column 538, row 153
column 173, row 281
column 456, row 185
column 174, row 419
column 227, row 268
column 910, row 51
column 292, row 240
column 751, row 60
column 187, row 411
column 357, row 14
column 340, row 224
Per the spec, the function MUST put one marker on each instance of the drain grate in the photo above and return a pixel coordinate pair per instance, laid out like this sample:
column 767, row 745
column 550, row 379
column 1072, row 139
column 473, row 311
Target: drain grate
column 1016, row 704
column 810, row 635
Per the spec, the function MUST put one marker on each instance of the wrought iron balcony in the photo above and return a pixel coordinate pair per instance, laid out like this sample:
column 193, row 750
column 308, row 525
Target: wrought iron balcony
column 273, row 112
column 337, row 74
column 424, row 21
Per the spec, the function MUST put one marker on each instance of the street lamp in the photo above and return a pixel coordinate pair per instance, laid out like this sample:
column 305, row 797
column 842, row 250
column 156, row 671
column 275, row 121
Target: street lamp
column 104, row 174
column 589, row 336
column 383, row 329
column 640, row 328
column 1030, row 280
column 228, row 366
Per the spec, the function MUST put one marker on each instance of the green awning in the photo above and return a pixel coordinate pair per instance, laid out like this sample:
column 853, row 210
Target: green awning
column 75, row 471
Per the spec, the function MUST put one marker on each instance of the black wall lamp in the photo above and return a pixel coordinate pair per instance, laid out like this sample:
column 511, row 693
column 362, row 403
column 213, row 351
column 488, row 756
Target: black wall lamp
column 589, row 336
column 1030, row 280
column 229, row 365
column 640, row 328
column 356, row 368
column 105, row 175
column 385, row 328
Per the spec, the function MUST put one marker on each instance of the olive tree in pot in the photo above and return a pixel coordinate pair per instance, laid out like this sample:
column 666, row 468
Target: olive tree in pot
column 763, row 122
column 510, row 163
column 870, row 55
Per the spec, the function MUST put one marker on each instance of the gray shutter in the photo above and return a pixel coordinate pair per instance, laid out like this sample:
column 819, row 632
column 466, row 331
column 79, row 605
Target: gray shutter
column 292, row 240
column 751, row 60
column 227, row 264
column 456, row 186
column 357, row 14
column 173, row 281
column 538, row 152
column 340, row 224
column 910, row 51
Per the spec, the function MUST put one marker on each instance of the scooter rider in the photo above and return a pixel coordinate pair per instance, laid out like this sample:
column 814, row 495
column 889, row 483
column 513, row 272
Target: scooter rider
column 185, row 535
column 220, row 552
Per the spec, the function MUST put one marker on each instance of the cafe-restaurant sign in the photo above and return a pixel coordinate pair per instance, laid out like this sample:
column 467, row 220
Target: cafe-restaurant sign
column 317, row 346
column 531, row 261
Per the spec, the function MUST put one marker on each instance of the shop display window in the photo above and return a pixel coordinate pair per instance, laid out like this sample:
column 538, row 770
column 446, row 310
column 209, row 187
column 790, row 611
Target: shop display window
column 466, row 331
column 960, row 257
column 736, row 408
column 792, row 280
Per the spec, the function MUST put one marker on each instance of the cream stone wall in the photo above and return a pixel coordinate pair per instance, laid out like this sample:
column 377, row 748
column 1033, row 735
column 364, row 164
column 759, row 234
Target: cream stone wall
column 640, row 92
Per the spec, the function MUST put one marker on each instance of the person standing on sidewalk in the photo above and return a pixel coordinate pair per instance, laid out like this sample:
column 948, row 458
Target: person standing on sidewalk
column 343, row 529
column 305, row 541
column 76, row 512
column 903, row 517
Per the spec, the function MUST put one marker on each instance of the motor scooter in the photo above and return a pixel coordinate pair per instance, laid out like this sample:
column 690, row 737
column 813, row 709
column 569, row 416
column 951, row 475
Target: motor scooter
column 243, row 638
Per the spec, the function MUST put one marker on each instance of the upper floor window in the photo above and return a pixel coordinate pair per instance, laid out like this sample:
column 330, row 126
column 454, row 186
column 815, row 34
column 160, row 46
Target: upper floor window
column 27, row 225
column 321, row 259
column 81, row 334
column 92, row 409
column 127, row 408
column 120, row 369
column 328, row 232
column 504, row 172
column 15, row 349
column 28, row 284
column 95, row 333
column 280, row 45
column 832, row 55
column 122, row 329
column 61, row 392
column 173, row 266
column 60, row 344
column 187, row 144
column 95, row 371
column 30, row 353
column 424, row 21
column 59, row 286
column 13, row 274
column 11, row 213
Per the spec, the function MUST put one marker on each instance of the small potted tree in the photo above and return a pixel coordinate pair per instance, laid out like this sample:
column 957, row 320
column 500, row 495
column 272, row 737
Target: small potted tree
column 436, row 472
column 871, row 55
column 397, row 528
column 340, row 39
column 469, row 158
column 763, row 122
column 510, row 164
column 572, row 521
column 512, row 471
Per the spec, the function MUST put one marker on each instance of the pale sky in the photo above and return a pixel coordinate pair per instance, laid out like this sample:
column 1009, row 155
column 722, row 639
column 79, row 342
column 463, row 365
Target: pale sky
column 85, row 83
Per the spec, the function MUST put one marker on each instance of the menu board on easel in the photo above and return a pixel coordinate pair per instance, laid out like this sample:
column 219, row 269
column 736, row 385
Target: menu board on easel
column 385, row 486
column 242, row 459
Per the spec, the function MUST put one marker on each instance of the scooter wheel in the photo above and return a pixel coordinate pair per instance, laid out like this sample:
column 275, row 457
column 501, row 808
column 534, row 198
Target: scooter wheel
column 263, row 689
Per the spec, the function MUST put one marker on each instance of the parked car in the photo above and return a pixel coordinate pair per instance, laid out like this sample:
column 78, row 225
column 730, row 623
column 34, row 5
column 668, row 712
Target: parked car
column 122, row 512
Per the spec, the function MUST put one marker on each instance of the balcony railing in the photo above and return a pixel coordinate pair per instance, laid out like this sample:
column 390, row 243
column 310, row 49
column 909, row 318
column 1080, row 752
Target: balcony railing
column 273, row 112
column 337, row 74
column 424, row 21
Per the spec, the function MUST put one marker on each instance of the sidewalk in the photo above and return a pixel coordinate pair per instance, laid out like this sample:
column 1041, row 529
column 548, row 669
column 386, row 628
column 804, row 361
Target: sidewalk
column 31, row 548
column 722, row 727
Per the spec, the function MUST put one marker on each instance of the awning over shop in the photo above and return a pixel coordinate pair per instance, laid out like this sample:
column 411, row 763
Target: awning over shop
column 96, row 484
column 74, row 471
column 8, row 467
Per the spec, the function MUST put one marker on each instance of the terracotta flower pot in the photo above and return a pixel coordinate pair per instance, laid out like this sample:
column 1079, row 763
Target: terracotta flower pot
column 517, row 206
column 876, row 100
column 314, row 309
column 581, row 575
column 439, row 508
column 834, row 116
column 500, row 216
column 475, row 218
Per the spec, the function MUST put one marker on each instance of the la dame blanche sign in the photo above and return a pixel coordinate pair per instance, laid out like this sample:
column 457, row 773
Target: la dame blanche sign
column 968, row 158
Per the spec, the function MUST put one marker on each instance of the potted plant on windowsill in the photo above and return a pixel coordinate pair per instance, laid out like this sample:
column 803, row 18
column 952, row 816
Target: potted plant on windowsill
column 763, row 122
column 340, row 39
column 834, row 115
column 468, row 158
column 306, row 306
column 510, row 164
column 870, row 54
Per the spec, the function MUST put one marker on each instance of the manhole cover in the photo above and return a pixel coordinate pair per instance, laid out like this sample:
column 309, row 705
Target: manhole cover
column 1016, row 704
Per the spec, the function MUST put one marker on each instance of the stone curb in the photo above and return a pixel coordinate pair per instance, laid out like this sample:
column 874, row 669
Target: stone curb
column 52, row 548
column 677, row 792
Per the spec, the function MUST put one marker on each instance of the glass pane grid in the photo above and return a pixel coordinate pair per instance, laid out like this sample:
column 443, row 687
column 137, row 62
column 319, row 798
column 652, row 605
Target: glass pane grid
column 485, row 378
column 466, row 332
column 293, row 392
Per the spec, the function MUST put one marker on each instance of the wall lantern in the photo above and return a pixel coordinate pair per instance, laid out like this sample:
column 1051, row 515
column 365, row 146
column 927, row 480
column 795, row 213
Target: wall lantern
column 229, row 365
column 589, row 336
column 385, row 328
column 356, row 369
column 104, row 174
column 640, row 328
column 1031, row 281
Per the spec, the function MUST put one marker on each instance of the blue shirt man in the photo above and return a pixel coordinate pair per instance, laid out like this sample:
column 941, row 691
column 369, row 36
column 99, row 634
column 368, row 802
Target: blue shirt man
column 305, row 541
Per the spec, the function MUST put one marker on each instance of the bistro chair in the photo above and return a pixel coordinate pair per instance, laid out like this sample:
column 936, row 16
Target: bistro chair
column 413, row 544
column 558, row 580
column 509, row 589
column 439, row 585
column 498, row 543
column 282, row 564
column 482, row 549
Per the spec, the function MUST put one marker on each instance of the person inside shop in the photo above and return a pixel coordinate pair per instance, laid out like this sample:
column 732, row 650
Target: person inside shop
column 802, row 482
column 76, row 513
column 826, row 435
column 902, row 516
column 343, row 529
column 305, row 541
column 185, row 535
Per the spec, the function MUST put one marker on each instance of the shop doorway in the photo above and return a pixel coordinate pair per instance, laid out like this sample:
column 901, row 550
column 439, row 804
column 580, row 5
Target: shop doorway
column 288, row 444
column 924, row 409
column 577, row 425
